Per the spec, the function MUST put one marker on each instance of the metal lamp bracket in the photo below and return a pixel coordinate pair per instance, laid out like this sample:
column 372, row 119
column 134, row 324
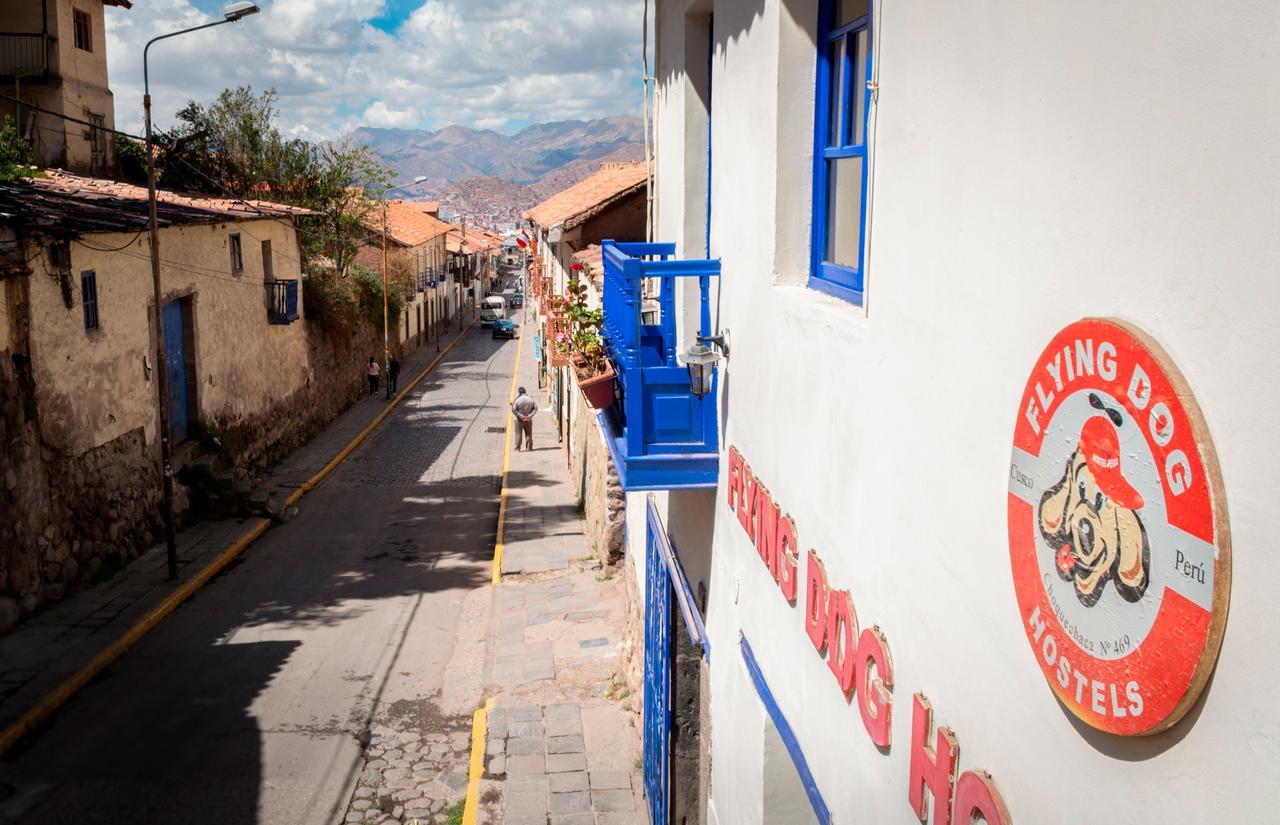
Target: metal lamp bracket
column 720, row 341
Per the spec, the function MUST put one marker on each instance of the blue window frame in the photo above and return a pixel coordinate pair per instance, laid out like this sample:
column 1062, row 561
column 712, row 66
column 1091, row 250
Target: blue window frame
column 843, row 98
column 89, row 298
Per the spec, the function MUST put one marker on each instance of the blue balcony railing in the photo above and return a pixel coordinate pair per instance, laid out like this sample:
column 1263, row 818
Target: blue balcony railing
column 661, row 435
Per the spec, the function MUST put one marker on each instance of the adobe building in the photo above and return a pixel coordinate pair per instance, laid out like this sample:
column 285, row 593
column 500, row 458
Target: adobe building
column 418, row 239
column 53, row 53
column 78, row 377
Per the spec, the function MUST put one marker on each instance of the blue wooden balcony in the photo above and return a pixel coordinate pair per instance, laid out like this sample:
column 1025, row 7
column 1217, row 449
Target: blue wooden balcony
column 661, row 435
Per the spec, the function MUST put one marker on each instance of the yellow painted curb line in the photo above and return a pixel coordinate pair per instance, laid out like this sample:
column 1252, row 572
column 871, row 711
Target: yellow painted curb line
column 53, row 700
column 479, row 728
column 506, row 461
column 105, row 657
column 310, row 483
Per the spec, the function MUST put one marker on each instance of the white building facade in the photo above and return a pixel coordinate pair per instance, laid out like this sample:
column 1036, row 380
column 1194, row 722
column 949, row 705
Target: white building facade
column 999, row 284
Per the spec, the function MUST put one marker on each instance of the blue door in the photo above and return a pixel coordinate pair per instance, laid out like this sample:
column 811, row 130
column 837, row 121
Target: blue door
column 657, row 678
column 175, row 350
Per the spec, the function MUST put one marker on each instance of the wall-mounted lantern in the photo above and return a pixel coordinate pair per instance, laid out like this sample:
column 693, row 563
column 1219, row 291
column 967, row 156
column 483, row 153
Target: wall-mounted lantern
column 701, row 361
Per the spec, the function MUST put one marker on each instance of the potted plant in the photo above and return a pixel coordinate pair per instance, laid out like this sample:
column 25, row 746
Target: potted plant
column 580, row 339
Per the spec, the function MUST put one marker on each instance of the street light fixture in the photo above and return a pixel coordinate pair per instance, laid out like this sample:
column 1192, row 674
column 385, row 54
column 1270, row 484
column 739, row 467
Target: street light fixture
column 235, row 11
column 230, row 14
column 386, row 335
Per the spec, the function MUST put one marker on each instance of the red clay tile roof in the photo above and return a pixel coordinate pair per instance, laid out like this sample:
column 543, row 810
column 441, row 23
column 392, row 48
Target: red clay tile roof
column 432, row 208
column 407, row 224
column 60, row 181
column 64, row 203
column 476, row 240
column 589, row 196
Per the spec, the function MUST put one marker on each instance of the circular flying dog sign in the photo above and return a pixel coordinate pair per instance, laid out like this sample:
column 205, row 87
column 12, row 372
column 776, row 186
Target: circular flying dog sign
column 1118, row 531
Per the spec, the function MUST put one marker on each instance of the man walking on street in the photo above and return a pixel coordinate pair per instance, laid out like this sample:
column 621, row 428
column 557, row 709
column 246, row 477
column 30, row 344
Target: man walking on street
column 524, row 408
column 393, row 375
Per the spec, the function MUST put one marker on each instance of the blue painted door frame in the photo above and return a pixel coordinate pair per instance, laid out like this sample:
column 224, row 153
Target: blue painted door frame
column 175, row 352
column 657, row 678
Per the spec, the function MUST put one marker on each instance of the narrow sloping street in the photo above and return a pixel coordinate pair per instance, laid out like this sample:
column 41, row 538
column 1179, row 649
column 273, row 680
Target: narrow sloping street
column 255, row 700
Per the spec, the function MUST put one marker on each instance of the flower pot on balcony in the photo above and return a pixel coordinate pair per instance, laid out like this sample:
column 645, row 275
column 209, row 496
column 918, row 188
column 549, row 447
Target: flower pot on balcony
column 598, row 389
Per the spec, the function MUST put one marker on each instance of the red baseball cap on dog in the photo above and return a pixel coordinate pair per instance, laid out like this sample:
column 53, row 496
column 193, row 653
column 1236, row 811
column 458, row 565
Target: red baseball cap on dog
column 1100, row 444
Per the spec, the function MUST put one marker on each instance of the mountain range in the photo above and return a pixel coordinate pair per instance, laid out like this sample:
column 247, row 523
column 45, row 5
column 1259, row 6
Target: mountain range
column 490, row 177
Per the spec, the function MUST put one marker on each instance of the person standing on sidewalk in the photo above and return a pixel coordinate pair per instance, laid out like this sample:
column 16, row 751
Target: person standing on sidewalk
column 393, row 375
column 373, row 373
column 524, row 408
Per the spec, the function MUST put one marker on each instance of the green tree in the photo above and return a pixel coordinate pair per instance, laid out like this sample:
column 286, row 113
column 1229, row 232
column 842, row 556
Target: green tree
column 232, row 147
column 133, row 159
column 346, row 172
column 15, row 153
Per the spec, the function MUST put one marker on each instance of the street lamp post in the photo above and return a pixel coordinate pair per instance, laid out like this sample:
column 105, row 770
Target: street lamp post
column 386, row 326
column 231, row 14
column 435, row 289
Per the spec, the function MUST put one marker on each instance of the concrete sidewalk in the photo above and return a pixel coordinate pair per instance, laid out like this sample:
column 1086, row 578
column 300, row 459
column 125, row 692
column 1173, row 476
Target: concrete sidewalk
column 55, row 645
column 561, row 747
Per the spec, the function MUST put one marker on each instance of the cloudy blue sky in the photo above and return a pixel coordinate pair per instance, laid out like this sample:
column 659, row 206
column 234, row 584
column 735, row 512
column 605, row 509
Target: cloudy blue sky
column 338, row 64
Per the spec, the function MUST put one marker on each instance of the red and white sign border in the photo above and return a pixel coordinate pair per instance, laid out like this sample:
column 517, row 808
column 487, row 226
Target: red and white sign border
column 1182, row 647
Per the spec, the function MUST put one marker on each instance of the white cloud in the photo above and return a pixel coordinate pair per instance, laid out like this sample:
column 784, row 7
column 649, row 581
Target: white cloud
column 484, row 63
column 379, row 114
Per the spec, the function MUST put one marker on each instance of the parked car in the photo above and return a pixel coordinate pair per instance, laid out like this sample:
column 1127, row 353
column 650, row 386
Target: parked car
column 517, row 300
column 506, row 328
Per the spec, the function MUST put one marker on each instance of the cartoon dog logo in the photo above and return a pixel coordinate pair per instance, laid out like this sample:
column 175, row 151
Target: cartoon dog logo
column 1089, row 516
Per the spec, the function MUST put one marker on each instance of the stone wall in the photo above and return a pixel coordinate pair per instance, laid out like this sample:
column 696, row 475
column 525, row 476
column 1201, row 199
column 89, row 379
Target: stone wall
column 337, row 380
column 631, row 669
column 73, row 514
column 69, row 515
column 599, row 492
column 70, row 511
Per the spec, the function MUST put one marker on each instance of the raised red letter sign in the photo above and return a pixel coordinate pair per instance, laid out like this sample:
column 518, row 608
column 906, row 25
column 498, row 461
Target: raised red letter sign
column 747, row 501
column 935, row 767
column 815, row 603
column 842, row 638
column 976, row 793
column 766, row 518
column 787, row 555
column 874, row 700
column 735, row 477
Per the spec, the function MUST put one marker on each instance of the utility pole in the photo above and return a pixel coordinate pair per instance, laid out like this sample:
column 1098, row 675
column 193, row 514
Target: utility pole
column 386, row 340
column 386, row 324
column 233, row 13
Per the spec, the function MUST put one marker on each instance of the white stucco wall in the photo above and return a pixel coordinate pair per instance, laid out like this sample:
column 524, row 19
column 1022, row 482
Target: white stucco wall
column 1033, row 165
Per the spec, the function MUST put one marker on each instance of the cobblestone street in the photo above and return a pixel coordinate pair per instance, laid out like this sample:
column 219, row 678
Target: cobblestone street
column 313, row 679
column 545, row 644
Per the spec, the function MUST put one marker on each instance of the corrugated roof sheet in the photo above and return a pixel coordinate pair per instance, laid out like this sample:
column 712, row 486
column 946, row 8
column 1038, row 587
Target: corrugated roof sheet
column 66, row 204
column 589, row 196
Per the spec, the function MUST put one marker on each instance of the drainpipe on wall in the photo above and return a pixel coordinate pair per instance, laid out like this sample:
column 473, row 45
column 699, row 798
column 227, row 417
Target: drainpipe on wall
column 648, row 157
